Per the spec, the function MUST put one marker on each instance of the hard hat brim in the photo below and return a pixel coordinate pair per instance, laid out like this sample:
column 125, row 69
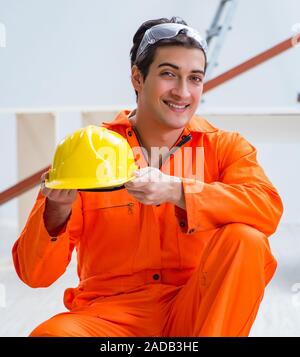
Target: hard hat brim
column 86, row 184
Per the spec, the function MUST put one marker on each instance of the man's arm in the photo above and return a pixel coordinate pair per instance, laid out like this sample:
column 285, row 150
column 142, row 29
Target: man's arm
column 43, row 250
column 56, row 216
column 58, row 206
column 242, row 194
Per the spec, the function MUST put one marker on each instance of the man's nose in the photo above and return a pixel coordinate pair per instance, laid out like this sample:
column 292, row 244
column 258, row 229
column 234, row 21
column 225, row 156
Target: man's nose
column 181, row 90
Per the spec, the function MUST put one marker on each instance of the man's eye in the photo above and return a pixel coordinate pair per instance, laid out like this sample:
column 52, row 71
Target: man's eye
column 167, row 74
column 197, row 79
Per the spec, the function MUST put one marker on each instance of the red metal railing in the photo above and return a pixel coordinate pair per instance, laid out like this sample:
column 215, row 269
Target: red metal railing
column 249, row 64
column 21, row 186
column 34, row 179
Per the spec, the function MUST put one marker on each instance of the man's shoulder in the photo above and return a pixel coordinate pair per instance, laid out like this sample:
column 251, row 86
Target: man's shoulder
column 199, row 123
column 220, row 138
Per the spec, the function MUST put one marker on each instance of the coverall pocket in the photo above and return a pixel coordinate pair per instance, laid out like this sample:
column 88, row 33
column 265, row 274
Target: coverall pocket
column 118, row 202
column 109, row 215
column 126, row 205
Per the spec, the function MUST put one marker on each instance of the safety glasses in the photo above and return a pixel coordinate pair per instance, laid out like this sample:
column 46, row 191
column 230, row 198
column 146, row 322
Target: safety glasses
column 166, row 31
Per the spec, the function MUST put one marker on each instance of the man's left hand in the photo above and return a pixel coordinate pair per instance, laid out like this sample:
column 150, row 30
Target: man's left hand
column 152, row 187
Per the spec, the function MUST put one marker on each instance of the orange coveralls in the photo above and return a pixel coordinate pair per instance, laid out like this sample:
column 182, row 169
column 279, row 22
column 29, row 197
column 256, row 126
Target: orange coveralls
column 161, row 270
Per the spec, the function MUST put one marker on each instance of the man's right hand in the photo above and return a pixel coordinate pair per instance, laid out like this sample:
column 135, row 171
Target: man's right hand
column 61, row 197
column 58, row 206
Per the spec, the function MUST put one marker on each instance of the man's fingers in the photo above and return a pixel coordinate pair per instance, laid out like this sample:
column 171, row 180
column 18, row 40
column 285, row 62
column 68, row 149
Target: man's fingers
column 141, row 181
column 138, row 196
column 145, row 171
column 135, row 192
column 45, row 191
column 45, row 176
column 136, row 185
column 54, row 194
column 71, row 192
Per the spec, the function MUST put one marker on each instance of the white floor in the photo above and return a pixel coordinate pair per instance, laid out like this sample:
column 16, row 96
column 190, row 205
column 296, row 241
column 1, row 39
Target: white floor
column 23, row 308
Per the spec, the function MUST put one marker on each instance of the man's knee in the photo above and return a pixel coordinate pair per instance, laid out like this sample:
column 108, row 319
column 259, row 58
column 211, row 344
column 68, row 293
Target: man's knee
column 57, row 326
column 252, row 246
column 244, row 235
column 42, row 331
column 69, row 324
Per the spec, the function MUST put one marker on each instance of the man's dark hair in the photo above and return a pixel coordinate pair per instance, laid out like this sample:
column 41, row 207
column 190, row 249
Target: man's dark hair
column 144, row 61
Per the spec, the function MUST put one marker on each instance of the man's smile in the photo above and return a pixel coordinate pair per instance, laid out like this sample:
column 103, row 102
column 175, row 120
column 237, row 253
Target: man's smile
column 176, row 107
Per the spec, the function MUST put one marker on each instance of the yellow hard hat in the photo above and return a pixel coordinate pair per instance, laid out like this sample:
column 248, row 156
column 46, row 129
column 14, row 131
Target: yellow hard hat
column 92, row 158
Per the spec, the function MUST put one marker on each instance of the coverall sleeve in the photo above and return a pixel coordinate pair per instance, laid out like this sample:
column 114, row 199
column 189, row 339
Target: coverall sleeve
column 40, row 259
column 242, row 193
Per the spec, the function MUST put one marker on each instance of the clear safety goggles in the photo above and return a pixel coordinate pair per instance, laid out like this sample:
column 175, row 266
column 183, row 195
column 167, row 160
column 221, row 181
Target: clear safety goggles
column 166, row 31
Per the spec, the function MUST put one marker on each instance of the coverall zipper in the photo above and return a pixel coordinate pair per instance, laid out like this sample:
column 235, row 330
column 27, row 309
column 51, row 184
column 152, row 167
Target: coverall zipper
column 171, row 151
column 129, row 205
column 175, row 148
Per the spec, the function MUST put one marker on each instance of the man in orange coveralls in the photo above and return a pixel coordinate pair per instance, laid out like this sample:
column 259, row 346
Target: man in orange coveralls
column 177, row 257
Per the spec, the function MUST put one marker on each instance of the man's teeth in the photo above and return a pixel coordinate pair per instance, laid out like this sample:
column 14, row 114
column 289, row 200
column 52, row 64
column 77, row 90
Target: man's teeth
column 176, row 106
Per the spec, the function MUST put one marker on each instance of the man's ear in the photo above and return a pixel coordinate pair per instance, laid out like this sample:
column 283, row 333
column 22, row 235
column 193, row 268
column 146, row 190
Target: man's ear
column 136, row 78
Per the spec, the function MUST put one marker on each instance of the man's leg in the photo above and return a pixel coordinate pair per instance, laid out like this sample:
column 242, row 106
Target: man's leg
column 135, row 313
column 77, row 325
column 223, row 295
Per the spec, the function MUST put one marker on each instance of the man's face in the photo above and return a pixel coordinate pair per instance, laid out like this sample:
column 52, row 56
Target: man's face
column 172, row 89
